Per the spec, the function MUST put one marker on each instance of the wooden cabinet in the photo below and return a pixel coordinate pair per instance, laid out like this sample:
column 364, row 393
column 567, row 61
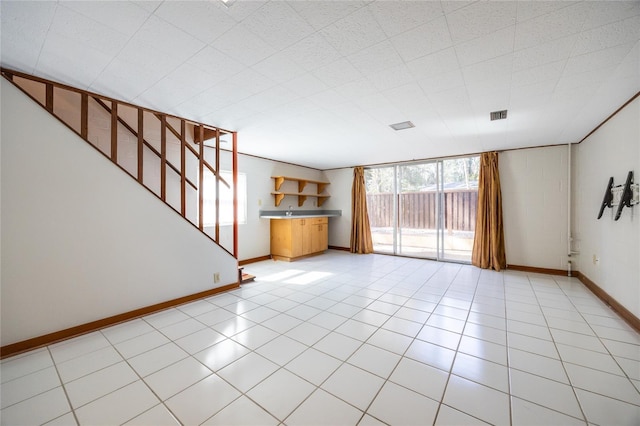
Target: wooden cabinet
column 302, row 195
column 296, row 238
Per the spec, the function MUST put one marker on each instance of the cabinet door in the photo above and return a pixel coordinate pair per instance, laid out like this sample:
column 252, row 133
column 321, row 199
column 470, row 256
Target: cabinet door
column 319, row 235
column 298, row 237
column 281, row 243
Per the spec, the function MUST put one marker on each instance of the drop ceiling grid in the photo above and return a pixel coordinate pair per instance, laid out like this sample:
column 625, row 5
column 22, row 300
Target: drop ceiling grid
column 263, row 59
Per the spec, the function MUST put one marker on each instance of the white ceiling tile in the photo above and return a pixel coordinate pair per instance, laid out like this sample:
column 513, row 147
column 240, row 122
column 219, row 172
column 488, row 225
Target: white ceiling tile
column 60, row 52
column 122, row 16
column 560, row 23
column 212, row 99
column 168, row 38
column 609, row 35
column 533, row 95
column 354, row 32
column 86, row 32
column 337, row 73
column 533, row 75
column 598, row 59
column 358, row 88
column 312, row 52
column 171, row 90
column 484, row 103
column 391, row 77
column 270, row 98
column 242, row 45
column 205, row 21
column 479, row 19
column 410, row 99
column 533, row 9
column 327, row 98
column 450, row 101
column 553, row 51
column 278, row 25
column 239, row 10
column 601, row 13
column 423, row 40
column 586, row 81
column 295, row 108
column 486, row 47
column 397, row 17
column 216, row 64
column 279, row 67
column 379, row 107
column 378, row 57
column 306, row 85
column 124, row 80
column 148, row 5
column 497, row 68
column 251, row 81
column 23, row 30
column 443, row 81
column 191, row 76
column 322, row 13
column 628, row 68
column 435, row 63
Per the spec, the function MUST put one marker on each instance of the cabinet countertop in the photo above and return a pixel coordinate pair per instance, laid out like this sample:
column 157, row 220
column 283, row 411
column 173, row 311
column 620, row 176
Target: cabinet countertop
column 300, row 214
column 297, row 216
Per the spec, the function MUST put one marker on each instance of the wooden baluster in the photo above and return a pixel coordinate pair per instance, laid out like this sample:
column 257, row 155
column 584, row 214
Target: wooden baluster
column 49, row 97
column 84, row 116
column 201, row 178
column 234, row 162
column 140, row 145
column 217, row 167
column 163, row 158
column 183, row 167
column 114, row 132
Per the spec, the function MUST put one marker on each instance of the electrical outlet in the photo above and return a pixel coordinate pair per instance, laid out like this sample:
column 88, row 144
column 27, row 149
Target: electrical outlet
column 216, row 277
column 259, row 202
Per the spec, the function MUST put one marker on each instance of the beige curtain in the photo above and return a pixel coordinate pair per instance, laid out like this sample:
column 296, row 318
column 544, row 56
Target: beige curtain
column 361, row 241
column 488, row 244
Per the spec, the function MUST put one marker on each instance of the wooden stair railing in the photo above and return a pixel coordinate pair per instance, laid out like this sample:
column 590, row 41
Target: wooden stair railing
column 44, row 92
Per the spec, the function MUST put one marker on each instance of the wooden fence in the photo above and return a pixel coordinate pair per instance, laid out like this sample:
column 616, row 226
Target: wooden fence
column 418, row 210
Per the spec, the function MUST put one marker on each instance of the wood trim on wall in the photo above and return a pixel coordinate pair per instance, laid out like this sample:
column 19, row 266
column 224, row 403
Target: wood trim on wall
column 626, row 314
column 48, row 339
column 537, row 270
column 254, row 260
column 617, row 307
column 339, row 248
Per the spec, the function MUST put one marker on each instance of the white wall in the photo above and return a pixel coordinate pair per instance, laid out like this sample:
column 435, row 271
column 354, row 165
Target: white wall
column 613, row 150
column 340, row 227
column 81, row 240
column 254, row 236
column 534, row 206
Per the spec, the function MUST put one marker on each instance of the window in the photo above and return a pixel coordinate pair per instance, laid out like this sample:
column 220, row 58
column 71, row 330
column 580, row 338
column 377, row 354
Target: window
column 226, row 199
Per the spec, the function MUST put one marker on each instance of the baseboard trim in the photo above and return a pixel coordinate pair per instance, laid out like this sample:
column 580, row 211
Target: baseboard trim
column 626, row 314
column 58, row 336
column 339, row 248
column 617, row 307
column 254, row 260
column 537, row 270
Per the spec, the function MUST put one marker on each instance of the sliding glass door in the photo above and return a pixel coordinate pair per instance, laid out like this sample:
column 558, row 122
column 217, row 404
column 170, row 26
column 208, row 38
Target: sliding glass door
column 424, row 209
column 418, row 210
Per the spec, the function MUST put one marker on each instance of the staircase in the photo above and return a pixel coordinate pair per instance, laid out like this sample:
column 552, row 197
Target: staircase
column 168, row 155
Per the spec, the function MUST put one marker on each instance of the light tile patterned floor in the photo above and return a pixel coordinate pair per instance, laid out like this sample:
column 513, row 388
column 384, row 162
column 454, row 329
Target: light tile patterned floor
column 347, row 339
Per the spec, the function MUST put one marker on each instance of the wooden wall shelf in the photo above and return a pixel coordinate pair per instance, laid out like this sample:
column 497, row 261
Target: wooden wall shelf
column 302, row 183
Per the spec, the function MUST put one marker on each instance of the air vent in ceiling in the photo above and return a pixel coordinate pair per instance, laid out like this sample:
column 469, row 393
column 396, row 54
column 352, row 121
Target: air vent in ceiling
column 499, row 115
column 402, row 126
